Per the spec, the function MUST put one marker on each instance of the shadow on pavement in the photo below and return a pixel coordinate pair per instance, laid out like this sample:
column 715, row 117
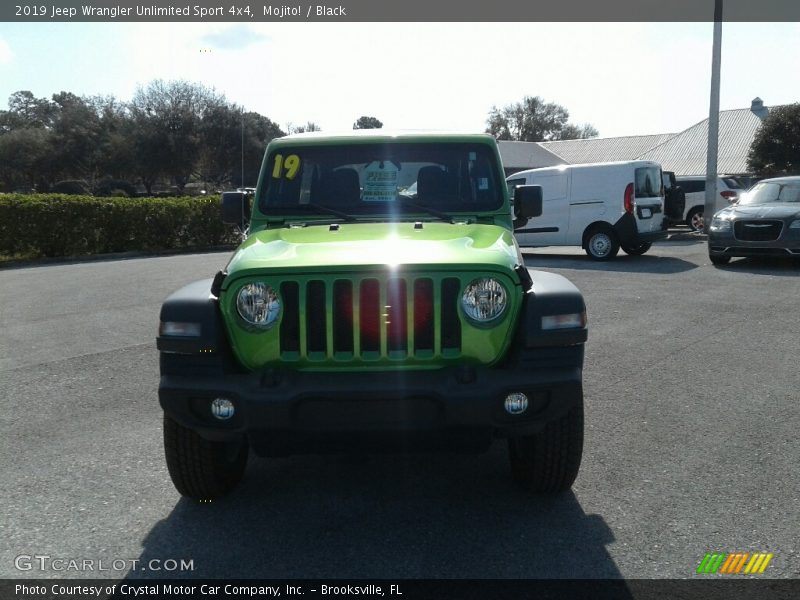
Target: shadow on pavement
column 383, row 516
column 621, row 263
column 785, row 267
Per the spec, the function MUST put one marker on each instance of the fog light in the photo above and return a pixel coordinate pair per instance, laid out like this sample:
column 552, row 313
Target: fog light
column 222, row 408
column 516, row 403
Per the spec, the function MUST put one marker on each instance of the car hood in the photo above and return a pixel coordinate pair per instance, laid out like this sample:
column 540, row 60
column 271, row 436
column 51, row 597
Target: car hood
column 362, row 245
column 774, row 210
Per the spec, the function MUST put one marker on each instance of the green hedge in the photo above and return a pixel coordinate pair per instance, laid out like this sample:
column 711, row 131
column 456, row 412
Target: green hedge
column 60, row 225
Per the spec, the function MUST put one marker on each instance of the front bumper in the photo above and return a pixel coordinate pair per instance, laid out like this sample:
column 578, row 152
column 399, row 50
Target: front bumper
column 726, row 244
column 287, row 412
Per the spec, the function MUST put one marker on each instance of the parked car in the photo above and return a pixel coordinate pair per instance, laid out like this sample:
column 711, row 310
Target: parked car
column 694, row 186
column 674, row 198
column 601, row 207
column 354, row 315
column 747, row 181
column 764, row 222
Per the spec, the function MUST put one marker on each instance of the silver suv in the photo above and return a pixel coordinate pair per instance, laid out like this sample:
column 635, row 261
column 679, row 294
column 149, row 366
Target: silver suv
column 694, row 186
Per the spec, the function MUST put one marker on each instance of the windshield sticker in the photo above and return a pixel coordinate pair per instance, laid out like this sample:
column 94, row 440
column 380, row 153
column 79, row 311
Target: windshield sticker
column 380, row 182
column 286, row 168
column 483, row 183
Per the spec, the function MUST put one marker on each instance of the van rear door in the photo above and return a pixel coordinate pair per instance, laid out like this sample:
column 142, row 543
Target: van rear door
column 648, row 198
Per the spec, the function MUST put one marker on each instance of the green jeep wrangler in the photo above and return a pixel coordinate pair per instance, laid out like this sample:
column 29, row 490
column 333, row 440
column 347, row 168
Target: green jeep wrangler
column 381, row 302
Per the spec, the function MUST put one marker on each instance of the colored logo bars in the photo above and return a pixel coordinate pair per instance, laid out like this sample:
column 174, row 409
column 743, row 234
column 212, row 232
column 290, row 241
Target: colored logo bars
column 737, row 562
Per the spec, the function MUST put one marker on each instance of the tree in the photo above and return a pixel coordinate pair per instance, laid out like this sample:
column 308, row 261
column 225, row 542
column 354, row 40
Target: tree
column 25, row 110
column 233, row 142
column 168, row 117
column 577, row 132
column 308, row 127
column 24, row 154
column 258, row 131
column 116, row 157
column 776, row 146
column 173, row 130
column 534, row 120
column 367, row 123
column 76, row 137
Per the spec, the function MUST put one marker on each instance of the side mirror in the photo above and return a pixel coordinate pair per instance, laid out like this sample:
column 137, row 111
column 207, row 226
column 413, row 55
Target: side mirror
column 235, row 208
column 527, row 201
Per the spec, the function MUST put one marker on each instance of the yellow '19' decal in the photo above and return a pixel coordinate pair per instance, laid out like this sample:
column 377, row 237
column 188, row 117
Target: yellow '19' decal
column 291, row 166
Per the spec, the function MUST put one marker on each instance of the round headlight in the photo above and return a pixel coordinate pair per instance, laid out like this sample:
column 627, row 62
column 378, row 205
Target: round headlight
column 484, row 299
column 258, row 304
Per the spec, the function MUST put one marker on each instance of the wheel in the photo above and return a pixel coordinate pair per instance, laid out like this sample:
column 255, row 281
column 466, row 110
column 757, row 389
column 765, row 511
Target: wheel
column 637, row 250
column 601, row 243
column 719, row 260
column 695, row 219
column 548, row 462
column 199, row 468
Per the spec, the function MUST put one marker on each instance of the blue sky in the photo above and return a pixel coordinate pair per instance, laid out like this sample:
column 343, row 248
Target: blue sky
column 625, row 79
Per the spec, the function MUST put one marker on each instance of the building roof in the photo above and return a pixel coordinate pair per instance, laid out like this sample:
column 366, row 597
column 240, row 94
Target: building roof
column 608, row 149
column 527, row 155
column 685, row 153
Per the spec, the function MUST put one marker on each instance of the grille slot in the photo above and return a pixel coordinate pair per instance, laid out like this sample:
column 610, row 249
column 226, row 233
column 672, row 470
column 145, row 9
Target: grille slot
column 757, row 231
column 316, row 341
column 451, row 326
column 343, row 316
column 290, row 324
column 423, row 315
column 370, row 316
column 396, row 316
column 370, row 319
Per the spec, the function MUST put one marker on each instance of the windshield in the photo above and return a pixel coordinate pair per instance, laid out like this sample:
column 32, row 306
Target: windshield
column 765, row 193
column 381, row 179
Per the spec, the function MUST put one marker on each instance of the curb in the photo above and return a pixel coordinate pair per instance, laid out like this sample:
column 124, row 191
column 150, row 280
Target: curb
column 55, row 260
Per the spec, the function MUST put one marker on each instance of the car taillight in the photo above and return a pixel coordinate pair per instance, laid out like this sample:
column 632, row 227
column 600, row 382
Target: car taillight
column 629, row 198
column 728, row 195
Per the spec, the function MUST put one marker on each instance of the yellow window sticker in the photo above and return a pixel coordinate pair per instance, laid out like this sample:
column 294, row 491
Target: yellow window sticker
column 287, row 168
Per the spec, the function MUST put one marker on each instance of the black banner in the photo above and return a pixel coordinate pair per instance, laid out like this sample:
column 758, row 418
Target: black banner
column 401, row 589
column 408, row 10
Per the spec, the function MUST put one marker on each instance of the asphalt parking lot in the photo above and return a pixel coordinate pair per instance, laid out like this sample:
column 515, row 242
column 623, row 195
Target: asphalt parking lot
column 691, row 387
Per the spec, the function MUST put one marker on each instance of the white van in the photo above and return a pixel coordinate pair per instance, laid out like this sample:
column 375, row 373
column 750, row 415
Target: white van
column 601, row 207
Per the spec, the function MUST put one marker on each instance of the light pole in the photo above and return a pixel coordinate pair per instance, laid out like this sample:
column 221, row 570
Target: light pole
column 713, row 119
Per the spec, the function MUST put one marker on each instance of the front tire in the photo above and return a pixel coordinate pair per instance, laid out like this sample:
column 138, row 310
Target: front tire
column 548, row 462
column 199, row 468
column 601, row 243
column 695, row 219
column 637, row 250
column 719, row 260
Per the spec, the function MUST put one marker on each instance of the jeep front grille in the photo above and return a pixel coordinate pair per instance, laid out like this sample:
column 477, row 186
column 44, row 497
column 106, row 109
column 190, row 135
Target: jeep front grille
column 370, row 318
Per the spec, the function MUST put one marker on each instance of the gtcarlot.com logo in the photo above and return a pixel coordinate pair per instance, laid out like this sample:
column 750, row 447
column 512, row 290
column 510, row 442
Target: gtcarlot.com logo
column 735, row 563
column 45, row 562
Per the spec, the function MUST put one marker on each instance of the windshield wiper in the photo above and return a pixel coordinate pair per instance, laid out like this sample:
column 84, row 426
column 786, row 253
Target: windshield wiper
column 327, row 209
column 404, row 201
